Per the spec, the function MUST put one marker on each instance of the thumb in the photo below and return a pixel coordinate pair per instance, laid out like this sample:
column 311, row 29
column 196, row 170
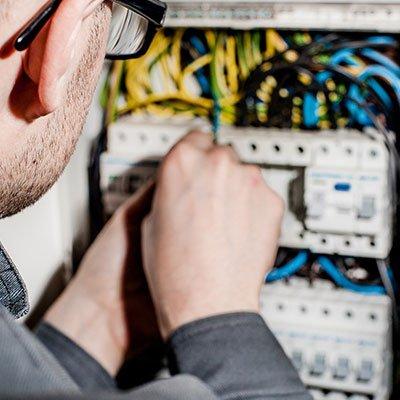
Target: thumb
column 139, row 205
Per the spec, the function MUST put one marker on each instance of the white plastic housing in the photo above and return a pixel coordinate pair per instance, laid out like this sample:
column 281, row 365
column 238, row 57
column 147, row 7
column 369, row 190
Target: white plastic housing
column 343, row 184
column 334, row 328
column 142, row 138
column 339, row 179
column 363, row 15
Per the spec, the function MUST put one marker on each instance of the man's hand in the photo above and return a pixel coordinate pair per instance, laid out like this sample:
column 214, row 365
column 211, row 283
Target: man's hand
column 107, row 308
column 211, row 236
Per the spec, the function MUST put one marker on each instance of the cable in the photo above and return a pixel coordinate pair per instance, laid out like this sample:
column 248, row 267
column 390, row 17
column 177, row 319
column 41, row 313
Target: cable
column 231, row 89
column 394, row 158
column 342, row 281
column 386, row 280
column 288, row 269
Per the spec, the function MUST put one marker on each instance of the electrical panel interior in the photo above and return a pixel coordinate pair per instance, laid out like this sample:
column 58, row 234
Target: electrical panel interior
column 310, row 92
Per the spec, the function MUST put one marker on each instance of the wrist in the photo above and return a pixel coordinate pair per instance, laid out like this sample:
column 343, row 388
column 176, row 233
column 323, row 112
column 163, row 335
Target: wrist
column 179, row 316
column 90, row 326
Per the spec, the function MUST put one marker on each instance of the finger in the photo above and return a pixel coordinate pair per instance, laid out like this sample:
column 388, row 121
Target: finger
column 254, row 174
column 200, row 140
column 231, row 151
column 224, row 151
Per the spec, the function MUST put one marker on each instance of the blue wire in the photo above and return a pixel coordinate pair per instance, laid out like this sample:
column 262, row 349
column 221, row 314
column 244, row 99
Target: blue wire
column 389, row 76
column 381, row 59
column 345, row 55
column 310, row 108
column 216, row 118
column 341, row 280
column 358, row 113
column 386, row 69
column 384, row 40
column 288, row 269
column 198, row 45
column 327, row 265
column 367, row 75
column 202, row 79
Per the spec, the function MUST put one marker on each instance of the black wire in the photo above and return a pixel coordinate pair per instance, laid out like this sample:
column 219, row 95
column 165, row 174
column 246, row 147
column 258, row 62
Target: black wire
column 284, row 68
column 258, row 76
column 344, row 268
column 394, row 159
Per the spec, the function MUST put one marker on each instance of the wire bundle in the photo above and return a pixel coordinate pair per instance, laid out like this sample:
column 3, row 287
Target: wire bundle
column 261, row 78
column 186, row 72
column 323, row 266
column 328, row 83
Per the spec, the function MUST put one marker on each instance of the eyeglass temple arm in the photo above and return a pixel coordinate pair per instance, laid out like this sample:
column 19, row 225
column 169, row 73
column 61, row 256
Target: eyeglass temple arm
column 30, row 32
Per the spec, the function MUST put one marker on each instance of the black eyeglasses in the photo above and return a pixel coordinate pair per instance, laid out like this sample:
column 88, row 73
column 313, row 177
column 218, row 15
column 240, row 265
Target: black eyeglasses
column 134, row 24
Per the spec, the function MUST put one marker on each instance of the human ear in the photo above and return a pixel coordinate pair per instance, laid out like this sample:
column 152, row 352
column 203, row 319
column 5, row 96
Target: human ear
column 51, row 57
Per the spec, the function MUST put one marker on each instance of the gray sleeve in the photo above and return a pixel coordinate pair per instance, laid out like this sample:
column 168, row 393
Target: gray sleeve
column 234, row 356
column 183, row 387
column 86, row 372
column 237, row 356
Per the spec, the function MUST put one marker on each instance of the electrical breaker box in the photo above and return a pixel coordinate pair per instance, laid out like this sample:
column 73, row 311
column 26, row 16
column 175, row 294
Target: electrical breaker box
column 294, row 86
column 335, row 184
column 336, row 339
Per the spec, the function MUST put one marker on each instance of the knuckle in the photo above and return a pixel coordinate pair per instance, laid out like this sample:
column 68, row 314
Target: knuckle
column 255, row 172
column 181, row 150
column 194, row 134
column 254, row 177
column 221, row 156
column 179, row 155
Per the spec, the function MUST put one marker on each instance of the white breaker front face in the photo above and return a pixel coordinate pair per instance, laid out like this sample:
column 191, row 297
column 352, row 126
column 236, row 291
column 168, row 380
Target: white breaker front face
column 338, row 340
column 335, row 184
column 362, row 15
column 339, row 181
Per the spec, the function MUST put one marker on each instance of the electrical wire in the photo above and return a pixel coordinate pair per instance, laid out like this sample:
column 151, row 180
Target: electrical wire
column 341, row 280
column 231, row 83
column 300, row 261
column 289, row 268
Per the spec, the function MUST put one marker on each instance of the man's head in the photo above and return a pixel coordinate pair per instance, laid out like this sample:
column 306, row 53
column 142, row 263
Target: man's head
column 45, row 93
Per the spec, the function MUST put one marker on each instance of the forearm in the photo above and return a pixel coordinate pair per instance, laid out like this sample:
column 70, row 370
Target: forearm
column 238, row 356
column 88, row 325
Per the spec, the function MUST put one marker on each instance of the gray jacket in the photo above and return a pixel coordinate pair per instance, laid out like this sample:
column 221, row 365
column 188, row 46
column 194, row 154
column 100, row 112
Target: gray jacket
column 232, row 356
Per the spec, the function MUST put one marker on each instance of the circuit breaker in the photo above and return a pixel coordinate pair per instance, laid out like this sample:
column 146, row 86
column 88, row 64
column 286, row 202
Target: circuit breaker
column 335, row 184
column 336, row 339
column 342, row 178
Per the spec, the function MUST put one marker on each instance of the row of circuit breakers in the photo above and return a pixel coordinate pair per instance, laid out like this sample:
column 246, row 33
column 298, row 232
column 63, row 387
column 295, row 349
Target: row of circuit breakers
column 338, row 201
column 335, row 184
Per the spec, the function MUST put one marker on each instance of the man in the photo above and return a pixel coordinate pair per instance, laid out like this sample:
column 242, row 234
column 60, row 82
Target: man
column 206, row 235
